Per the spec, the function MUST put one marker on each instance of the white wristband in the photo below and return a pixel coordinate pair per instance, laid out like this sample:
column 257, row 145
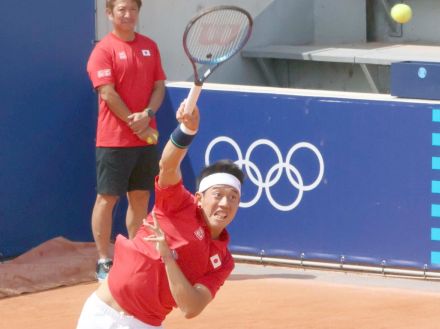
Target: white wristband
column 186, row 130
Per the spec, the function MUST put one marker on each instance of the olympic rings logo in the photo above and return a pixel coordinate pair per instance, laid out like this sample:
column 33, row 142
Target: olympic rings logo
column 274, row 173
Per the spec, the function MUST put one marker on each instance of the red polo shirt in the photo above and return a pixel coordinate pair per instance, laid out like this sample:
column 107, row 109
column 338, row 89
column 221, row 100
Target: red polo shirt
column 132, row 67
column 138, row 280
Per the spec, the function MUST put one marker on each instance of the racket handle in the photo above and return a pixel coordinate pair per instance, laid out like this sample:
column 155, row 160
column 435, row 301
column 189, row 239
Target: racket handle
column 193, row 96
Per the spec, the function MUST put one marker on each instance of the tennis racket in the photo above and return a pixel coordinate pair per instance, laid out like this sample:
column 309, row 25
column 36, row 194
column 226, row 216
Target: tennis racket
column 210, row 39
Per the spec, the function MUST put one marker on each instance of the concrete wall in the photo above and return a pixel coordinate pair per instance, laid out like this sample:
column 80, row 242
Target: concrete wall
column 329, row 76
column 339, row 21
column 165, row 21
column 288, row 22
column 423, row 27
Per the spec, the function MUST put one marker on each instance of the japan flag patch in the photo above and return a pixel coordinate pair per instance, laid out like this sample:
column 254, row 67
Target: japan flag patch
column 215, row 261
column 146, row 53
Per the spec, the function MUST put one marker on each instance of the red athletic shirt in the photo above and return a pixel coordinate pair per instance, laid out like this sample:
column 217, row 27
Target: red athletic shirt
column 133, row 67
column 138, row 280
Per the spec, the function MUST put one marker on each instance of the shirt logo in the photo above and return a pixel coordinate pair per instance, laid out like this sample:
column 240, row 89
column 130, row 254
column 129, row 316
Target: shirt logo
column 215, row 261
column 104, row 73
column 199, row 233
column 146, row 52
column 122, row 55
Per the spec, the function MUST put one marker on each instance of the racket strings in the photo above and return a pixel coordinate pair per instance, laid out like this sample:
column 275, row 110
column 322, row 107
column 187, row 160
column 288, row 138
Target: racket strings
column 217, row 36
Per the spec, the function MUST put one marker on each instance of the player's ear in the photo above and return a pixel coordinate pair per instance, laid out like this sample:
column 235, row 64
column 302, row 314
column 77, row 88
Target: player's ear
column 199, row 197
column 109, row 14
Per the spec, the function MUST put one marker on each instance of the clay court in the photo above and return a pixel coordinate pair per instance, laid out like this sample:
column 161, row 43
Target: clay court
column 255, row 296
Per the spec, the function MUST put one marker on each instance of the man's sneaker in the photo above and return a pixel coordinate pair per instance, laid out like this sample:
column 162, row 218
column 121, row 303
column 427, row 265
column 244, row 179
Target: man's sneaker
column 102, row 268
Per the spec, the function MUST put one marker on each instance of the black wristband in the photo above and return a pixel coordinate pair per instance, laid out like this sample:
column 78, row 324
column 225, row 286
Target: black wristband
column 181, row 139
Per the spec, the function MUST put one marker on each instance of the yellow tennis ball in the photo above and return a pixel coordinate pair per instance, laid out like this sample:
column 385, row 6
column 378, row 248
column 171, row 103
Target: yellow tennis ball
column 401, row 13
column 153, row 139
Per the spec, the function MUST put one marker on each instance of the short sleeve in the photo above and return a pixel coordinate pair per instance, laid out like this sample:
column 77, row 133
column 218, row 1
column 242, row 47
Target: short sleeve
column 159, row 72
column 100, row 67
column 216, row 278
column 172, row 199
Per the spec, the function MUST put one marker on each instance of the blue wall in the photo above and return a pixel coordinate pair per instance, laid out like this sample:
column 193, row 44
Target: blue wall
column 47, row 123
column 327, row 177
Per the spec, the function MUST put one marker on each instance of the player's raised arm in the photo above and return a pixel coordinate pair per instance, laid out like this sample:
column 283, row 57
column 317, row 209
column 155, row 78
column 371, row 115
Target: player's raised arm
column 177, row 146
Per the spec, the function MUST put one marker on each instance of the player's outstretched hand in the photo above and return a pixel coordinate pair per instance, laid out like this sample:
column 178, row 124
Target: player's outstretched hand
column 157, row 237
column 190, row 120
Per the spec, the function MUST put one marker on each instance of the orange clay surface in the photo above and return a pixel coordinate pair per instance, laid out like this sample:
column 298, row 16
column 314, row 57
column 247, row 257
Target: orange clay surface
column 260, row 297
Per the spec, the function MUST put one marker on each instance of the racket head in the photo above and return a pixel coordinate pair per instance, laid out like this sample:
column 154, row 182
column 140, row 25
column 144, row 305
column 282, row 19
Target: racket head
column 215, row 35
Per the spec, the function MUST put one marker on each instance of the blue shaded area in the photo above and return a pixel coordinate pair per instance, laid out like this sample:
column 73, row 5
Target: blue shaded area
column 435, row 210
column 435, row 257
column 436, row 139
column 435, row 163
column 436, row 115
column 48, row 123
column 435, row 234
column 435, row 187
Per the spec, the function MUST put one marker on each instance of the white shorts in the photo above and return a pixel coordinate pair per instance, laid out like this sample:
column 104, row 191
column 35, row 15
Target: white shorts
column 98, row 315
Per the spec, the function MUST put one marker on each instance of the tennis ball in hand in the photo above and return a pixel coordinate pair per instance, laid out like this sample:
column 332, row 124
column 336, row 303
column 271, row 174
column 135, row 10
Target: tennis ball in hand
column 401, row 13
column 153, row 139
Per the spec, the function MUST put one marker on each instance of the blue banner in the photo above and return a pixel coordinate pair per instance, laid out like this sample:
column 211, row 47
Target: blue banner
column 327, row 177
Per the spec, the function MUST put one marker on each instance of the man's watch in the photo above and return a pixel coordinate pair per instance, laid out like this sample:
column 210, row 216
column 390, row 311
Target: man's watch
column 151, row 114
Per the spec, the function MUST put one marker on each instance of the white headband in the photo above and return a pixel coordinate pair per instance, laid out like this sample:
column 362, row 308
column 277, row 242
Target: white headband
column 220, row 179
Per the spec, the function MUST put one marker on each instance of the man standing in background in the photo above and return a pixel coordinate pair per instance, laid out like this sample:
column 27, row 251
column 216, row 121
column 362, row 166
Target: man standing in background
column 125, row 68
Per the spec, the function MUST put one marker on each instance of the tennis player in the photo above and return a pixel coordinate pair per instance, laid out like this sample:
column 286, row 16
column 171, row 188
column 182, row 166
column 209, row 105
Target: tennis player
column 179, row 257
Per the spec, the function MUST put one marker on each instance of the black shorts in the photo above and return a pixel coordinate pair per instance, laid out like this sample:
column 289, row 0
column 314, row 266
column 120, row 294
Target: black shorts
column 123, row 169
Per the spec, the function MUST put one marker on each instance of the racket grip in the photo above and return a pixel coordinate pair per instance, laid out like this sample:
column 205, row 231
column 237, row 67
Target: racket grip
column 192, row 98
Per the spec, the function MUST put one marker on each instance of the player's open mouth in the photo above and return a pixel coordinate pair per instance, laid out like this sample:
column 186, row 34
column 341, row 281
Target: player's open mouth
column 221, row 215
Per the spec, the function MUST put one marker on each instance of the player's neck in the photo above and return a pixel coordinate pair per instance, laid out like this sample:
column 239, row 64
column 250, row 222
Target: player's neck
column 215, row 234
column 124, row 35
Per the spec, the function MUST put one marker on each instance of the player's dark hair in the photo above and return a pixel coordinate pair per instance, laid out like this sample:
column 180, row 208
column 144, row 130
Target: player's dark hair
column 221, row 166
column 110, row 4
